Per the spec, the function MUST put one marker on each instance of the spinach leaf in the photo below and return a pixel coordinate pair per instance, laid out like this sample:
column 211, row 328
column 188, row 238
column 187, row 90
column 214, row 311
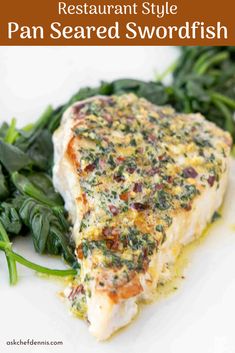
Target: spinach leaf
column 50, row 235
column 204, row 78
column 9, row 218
column 11, row 263
column 4, row 192
column 12, row 158
column 35, row 189
column 11, row 133
column 3, row 130
column 39, row 149
column 44, row 183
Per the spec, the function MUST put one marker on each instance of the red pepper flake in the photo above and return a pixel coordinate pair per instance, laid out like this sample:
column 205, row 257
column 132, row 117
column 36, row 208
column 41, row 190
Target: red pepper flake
column 120, row 159
column 131, row 170
column 145, row 259
column 76, row 110
column 139, row 206
column 124, row 196
column 109, row 243
column 162, row 157
column 111, row 233
column 145, row 253
column 90, row 167
column 84, row 199
column 113, row 209
column 107, row 231
column 153, row 171
column 158, row 186
column 75, row 291
column 119, row 178
column 112, row 244
column 190, row 172
column 170, row 179
column 188, row 207
column 79, row 252
column 137, row 187
column 145, row 265
column 98, row 184
column 211, row 180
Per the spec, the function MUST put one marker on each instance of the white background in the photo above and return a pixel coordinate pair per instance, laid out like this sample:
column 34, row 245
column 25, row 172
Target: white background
column 200, row 315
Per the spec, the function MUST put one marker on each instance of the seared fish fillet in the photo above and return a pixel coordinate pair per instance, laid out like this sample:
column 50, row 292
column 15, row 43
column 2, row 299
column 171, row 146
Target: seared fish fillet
column 139, row 182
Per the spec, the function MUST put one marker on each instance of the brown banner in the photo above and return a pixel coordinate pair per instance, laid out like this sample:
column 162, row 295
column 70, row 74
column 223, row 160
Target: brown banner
column 117, row 22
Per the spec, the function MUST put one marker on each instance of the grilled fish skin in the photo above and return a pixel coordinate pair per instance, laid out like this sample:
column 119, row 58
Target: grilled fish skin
column 139, row 182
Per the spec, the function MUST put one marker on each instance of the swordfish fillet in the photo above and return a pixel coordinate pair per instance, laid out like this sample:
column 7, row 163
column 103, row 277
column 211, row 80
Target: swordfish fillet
column 139, row 182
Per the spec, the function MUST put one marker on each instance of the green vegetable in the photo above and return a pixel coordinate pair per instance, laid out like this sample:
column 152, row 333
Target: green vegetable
column 31, row 203
column 26, row 187
column 50, row 232
column 12, row 158
column 13, row 277
column 14, row 257
column 36, row 141
column 4, row 192
column 11, row 134
column 3, row 130
column 10, row 219
column 205, row 79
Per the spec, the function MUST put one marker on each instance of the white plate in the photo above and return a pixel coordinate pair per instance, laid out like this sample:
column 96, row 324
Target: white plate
column 200, row 315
